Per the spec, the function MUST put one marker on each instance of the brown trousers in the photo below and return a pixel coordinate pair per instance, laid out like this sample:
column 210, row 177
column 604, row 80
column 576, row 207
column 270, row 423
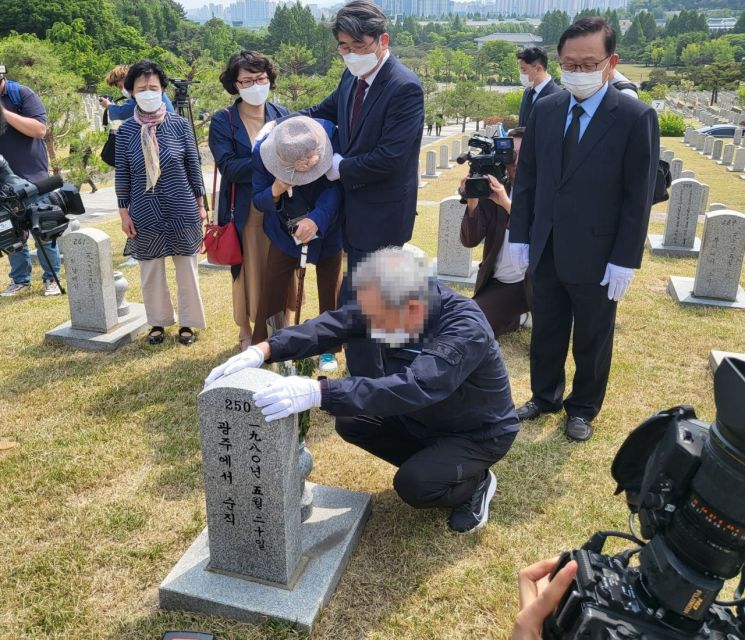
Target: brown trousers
column 278, row 278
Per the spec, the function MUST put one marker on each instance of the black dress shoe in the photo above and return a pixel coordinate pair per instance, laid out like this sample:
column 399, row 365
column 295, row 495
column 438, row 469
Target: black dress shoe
column 530, row 410
column 578, row 429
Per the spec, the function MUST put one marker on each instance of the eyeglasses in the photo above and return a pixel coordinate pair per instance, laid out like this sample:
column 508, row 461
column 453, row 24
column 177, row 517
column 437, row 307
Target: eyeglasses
column 356, row 48
column 587, row 67
column 245, row 84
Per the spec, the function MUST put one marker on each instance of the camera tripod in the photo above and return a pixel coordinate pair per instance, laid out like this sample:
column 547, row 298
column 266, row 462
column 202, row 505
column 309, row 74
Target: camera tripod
column 40, row 247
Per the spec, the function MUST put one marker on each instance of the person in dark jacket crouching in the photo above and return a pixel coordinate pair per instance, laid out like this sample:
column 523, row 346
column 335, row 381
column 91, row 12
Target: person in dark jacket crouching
column 442, row 411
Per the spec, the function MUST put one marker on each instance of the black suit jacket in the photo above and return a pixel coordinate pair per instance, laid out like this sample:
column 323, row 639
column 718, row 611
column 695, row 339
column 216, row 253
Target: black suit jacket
column 380, row 166
column 599, row 209
column 549, row 89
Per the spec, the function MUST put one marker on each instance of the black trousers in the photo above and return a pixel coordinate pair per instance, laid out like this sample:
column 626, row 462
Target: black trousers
column 559, row 308
column 432, row 472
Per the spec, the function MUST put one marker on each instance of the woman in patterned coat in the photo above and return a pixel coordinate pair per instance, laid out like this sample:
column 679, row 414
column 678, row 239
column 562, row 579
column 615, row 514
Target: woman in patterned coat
column 160, row 191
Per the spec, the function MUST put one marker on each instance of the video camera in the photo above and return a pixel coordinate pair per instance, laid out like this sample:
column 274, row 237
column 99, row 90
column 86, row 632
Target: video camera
column 685, row 480
column 181, row 91
column 496, row 154
column 39, row 209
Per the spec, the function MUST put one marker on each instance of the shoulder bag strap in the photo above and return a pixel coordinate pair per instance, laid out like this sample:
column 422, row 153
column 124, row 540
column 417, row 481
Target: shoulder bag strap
column 235, row 151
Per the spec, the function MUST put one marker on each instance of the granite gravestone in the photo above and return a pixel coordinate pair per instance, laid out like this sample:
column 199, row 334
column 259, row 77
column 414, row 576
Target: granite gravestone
column 455, row 150
column 431, row 171
column 667, row 156
column 728, row 153
column 687, row 174
column 716, row 357
column 421, row 183
column 717, row 206
column 738, row 164
column 256, row 559
column 700, row 141
column 708, row 145
column 454, row 263
column 717, row 281
column 688, row 200
column 94, row 322
column 676, row 168
column 444, row 163
column 737, row 138
column 716, row 154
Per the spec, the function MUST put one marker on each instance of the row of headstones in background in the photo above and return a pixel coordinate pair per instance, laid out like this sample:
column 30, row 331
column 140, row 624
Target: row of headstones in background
column 100, row 318
column 454, row 263
column 688, row 199
column 261, row 556
column 431, row 164
column 717, row 280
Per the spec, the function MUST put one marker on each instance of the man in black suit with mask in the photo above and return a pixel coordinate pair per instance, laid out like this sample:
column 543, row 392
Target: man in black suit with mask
column 580, row 210
column 533, row 63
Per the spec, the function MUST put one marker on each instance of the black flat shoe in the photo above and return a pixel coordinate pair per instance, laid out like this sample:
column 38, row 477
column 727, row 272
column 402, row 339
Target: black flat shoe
column 530, row 411
column 186, row 336
column 156, row 335
column 578, row 429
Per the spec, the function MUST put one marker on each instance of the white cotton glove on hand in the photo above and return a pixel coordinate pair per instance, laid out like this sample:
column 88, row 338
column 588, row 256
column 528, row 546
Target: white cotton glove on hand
column 287, row 396
column 251, row 358
column 618, row 280
column 333, row 173
column 265, row 130
column 520, row 255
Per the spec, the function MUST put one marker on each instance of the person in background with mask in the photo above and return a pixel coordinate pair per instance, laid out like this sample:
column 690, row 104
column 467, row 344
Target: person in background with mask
column 378, row 107
column 441, row 410
column 580, row 208
column 249, row 75
column 120, row 112
column 161, row 202
column 533, row 63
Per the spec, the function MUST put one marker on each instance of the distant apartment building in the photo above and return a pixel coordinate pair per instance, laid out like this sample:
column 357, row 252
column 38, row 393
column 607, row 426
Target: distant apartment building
column 522, row 40
column 244, row 13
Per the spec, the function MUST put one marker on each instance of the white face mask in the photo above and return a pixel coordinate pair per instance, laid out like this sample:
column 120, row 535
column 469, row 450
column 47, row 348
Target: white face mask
column 149, row 101
column 396, row 338
column 125, row 93
column 582, row 84
column 360, row 64
column 255, row 95
column 525, row 80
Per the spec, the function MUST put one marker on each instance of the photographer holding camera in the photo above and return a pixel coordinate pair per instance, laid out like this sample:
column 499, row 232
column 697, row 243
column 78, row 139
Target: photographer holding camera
column 500, row 288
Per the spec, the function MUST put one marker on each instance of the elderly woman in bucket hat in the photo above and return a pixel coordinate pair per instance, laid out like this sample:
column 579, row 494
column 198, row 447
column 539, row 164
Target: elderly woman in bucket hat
column 300, row 208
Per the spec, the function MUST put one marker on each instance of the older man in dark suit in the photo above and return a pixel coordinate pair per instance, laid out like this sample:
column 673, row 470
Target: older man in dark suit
column 580, row 210
column 378, row 107
column 533, row 64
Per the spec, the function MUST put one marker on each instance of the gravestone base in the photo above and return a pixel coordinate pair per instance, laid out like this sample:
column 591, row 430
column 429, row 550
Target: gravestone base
column 464, row 281
column 422, row 184
column 329, row 537
column 681, row 289
column 206, row 264
column 129, row 327
column 432, row 176
column 656, row 246
column 716, row 357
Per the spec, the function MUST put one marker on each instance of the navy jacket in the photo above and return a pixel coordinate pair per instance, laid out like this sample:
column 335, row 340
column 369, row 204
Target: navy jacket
column 379, row 170
column 232, row 150
column 319, row 200
column 597, row 211
column 452, row 381
column 549, row 89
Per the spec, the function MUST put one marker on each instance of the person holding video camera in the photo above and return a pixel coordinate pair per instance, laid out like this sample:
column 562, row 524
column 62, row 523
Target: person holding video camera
column 23, row 146
column 580, row 209
column 500, row 288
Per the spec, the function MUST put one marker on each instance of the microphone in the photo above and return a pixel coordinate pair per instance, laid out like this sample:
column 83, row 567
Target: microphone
column 45, row 185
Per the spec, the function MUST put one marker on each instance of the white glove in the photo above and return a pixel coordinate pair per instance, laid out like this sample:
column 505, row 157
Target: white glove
column 287, row 396
column 265, row 131
column 618, row 280
column 333, row 173
column 519, row 255
column 251, row 358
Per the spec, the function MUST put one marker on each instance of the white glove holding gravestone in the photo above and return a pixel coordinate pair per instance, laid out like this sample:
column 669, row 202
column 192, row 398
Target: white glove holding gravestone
column 251, row 358
column 520, row 255
column 618, row 280
column 289, row 395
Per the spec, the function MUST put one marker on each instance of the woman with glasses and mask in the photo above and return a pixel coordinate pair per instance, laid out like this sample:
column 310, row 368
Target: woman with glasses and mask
column 161, row 202
column 233, row 131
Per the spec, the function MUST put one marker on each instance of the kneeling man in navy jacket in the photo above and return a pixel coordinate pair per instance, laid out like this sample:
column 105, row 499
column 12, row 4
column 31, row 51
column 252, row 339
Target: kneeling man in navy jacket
column 441, row 412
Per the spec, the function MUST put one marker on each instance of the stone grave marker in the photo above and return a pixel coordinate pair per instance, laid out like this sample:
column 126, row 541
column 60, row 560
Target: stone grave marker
column 444, row 162
column 700, row 141
column 738, row 164
column 716, row 154
column 728, row 153
column 717, row 206
column 421, row 183
column 464, row 142
column 737, row 138
column 431, row 158
column 667, row 156
column 688, row 136
column 687, row 201
column 94, row 322
column 454, row 263
column 455, row 150
column 257, row 558
column 687, row 174
column 716, row 357
column 708, row 145
column 676, row 168
column 717, row 281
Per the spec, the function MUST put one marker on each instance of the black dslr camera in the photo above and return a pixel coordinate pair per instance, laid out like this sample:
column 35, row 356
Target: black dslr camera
column 685, row 480
column 496, row 154
column 39, row 210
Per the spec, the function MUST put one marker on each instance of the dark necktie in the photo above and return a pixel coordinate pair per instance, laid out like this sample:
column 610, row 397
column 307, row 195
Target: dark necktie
column 359, row 97
column 528, row 106
column 571, row 139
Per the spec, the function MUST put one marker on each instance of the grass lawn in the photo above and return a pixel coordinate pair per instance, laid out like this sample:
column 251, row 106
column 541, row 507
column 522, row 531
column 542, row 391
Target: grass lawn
column 635, row 72
column 104, row 493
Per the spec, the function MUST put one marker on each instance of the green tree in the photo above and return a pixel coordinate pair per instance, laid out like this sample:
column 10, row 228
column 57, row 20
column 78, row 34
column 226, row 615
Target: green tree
column 554, row 23
column 461, row 65
column 462, row 101
column 294, row 59
column 740, row 24
column 218, row 40
column 76, row 50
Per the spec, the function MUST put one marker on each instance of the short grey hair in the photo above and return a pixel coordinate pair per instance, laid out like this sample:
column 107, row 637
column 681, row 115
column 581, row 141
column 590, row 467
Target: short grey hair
column 359, row 18
column 397, row 274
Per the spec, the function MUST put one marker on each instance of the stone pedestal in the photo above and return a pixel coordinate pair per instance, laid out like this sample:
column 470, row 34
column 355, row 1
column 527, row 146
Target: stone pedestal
column 716, row 357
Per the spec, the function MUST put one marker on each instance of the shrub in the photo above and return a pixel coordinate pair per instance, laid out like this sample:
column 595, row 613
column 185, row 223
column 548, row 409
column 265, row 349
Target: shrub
column 671, row 125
